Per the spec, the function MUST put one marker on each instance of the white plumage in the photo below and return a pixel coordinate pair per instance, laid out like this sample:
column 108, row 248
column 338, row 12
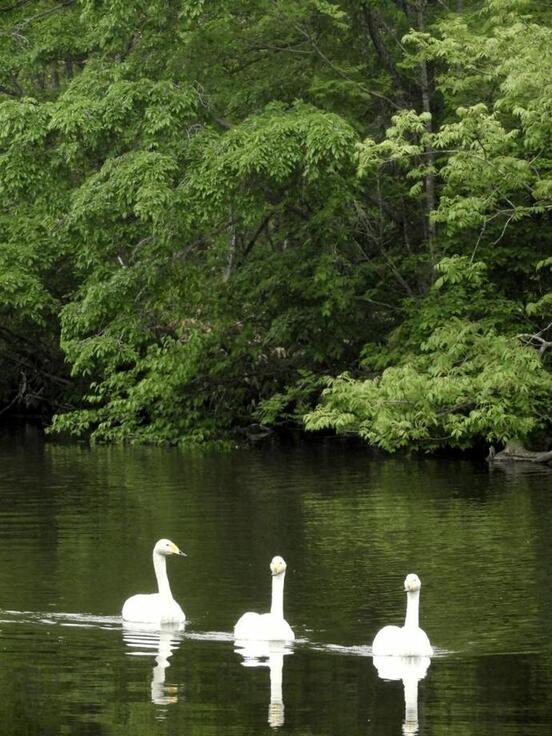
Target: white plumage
column 156, row 608
column 268, row 626
column 409, row 640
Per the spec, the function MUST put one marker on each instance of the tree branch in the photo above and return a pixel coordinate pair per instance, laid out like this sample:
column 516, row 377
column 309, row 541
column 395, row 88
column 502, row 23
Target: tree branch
column 44, row 14
column 11, row 92
column 15, row 6
column 336, row 69
column 372, row 22
column 536, row 340
column 258, row 231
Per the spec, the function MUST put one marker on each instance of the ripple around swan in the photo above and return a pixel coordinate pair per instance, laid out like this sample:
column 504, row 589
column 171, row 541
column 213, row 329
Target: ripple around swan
column 149, row 633
column 362, row 650
column 210, row 636
column 85, row 620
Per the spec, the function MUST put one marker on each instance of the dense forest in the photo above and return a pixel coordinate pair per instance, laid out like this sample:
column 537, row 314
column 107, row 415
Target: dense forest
column 224, row 217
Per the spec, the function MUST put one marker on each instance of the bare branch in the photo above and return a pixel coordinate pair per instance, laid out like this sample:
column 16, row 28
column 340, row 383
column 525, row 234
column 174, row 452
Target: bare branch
column 508, row 221
column 290, row 49
column 258, row 231
column 536, row 340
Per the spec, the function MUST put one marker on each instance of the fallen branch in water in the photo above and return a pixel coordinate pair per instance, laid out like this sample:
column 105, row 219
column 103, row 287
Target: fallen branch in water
column 515, row 452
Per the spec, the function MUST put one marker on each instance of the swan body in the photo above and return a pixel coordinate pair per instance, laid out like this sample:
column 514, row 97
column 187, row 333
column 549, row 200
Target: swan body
column 409, row 640
column 268, row 626
column 156, row 608
column 263, row 626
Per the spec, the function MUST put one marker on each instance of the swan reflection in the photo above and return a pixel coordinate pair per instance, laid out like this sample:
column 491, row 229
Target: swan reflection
column 161, row 641
column 267, row 654
column 410, row 670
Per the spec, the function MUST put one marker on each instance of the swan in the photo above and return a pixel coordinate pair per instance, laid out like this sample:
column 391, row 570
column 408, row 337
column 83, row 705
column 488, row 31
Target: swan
column 268, row 626
column 156, row 608
column 410, row 640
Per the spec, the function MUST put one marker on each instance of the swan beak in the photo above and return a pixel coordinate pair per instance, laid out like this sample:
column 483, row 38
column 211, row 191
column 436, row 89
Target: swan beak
column 182, row 554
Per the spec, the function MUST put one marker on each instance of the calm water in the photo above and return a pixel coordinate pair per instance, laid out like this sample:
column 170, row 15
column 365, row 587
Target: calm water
column 76, row 531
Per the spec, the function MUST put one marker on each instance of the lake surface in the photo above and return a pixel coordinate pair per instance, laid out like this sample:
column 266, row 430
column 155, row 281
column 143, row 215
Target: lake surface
column 77, row 527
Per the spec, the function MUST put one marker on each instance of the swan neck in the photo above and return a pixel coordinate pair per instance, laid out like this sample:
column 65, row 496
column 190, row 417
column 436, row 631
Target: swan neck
column 160, row 567
column 277, row 607
column 412, row 609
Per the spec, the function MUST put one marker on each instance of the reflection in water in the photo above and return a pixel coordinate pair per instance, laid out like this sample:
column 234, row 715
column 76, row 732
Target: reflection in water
column 410, row 670
column 267, row 654
column 145, row 639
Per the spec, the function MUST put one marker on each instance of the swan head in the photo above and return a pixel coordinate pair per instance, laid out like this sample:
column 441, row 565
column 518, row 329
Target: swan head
column 165, row 547
column 278, row 565
column 412, row 583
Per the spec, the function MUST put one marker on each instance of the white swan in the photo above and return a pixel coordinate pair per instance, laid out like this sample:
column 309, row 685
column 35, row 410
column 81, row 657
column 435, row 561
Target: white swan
column 156, row 608
column 268, row 626
column 410, row 640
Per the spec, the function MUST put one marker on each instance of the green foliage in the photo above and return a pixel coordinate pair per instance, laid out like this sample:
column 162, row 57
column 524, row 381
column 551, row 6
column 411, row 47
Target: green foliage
column 463, row 387
column 208, row 208
column 452, row 379
column 292, row 403
column 461, row 292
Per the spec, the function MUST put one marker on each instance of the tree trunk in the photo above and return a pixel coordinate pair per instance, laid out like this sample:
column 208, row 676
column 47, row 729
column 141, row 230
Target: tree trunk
column 425, row 86
column 372, row 26
column 55, row 76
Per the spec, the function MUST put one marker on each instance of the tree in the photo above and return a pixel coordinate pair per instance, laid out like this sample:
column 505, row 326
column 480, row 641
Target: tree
column 208, row 208
column 464, row 383
column 452, row 381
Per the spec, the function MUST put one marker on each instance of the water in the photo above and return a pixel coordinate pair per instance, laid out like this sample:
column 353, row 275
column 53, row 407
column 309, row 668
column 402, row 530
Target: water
column 76, row 531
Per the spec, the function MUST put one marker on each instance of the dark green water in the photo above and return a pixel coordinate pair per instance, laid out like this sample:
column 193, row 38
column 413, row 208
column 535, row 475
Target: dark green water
column 76, row 531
